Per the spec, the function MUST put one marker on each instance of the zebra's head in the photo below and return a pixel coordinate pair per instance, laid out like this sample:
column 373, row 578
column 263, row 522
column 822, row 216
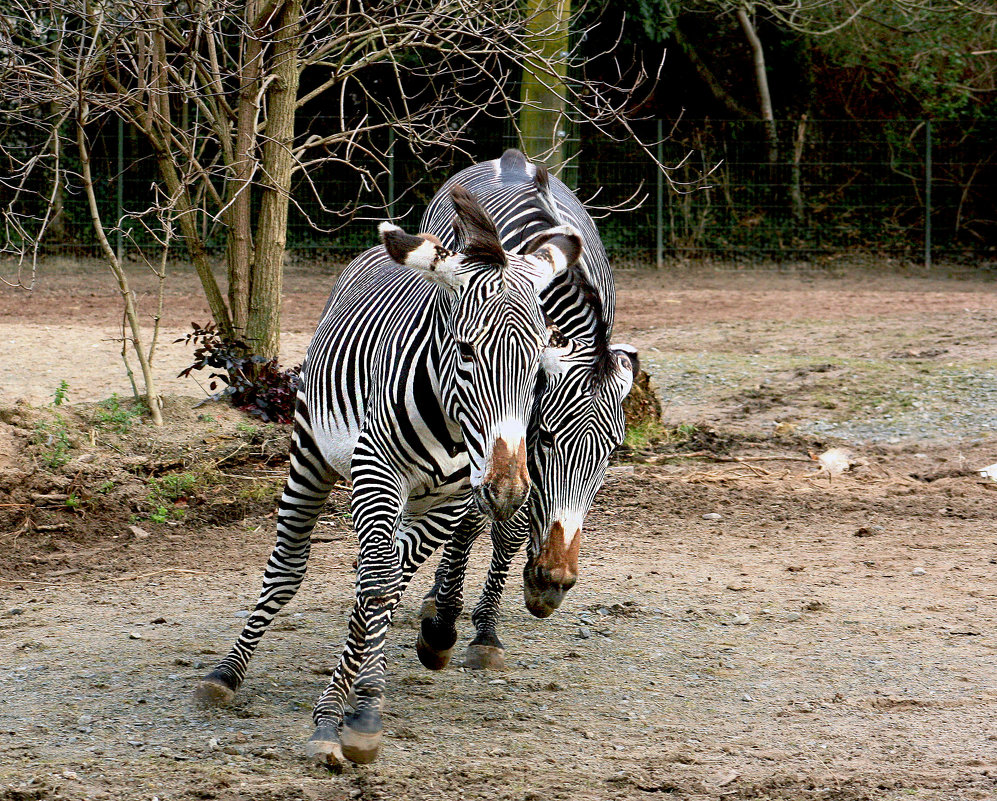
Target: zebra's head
column 492, row 337
column 577, row 424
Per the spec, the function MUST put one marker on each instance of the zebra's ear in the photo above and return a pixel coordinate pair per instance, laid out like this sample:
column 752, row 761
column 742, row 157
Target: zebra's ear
column 423, row 253
column 555, row 249
column 628, row 360
column 476, row 231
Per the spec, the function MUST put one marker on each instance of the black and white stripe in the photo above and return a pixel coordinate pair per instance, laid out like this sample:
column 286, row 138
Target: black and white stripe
column 418, row 386
column 577, row 420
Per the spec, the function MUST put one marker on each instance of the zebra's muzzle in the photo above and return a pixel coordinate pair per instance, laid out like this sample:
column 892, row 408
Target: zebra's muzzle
column 506, row 482
column 549, row 576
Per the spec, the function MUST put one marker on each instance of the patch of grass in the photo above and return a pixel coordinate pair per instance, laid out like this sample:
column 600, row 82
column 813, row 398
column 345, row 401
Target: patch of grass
column 54, row 440
column 114, row 415
column 163, row 514
column 173, row 487
column 262, row 490
column 643, row 435
column 73, row 501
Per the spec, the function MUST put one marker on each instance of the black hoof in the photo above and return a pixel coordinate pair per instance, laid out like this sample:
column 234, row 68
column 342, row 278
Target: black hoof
column 361, row 736
column 215, row 689
column 324, row 747
column 435, row 644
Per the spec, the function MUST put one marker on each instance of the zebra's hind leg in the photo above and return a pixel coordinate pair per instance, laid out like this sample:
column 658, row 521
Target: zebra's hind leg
column 438, row 630
column 307, row 488
column 486, row 651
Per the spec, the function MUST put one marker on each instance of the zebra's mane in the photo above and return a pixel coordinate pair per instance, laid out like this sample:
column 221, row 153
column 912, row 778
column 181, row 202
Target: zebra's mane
column 476, row 229
column 602, row 367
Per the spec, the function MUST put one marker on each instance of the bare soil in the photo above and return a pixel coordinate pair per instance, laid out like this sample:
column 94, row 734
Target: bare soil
column 826, row 638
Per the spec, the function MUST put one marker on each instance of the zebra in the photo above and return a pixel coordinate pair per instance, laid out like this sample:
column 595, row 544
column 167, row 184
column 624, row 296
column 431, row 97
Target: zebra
column 417, row 385
column 576, row 424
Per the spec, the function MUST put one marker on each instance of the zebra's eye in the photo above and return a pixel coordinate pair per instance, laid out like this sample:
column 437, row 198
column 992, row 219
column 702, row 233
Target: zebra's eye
column 466, row 351
column 546, row 438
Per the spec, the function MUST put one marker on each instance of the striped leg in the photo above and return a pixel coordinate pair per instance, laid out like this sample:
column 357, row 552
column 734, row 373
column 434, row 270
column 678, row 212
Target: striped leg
column 416, row 541
column 438, row 631
column 307, row 488
column 377, row 507
column 486, row 649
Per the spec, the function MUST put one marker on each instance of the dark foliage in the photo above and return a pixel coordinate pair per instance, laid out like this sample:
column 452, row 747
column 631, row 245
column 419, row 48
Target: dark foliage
column 250, row 382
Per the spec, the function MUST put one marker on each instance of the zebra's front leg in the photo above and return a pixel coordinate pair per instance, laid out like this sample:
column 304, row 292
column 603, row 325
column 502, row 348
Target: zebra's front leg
column 438, row 630
column 376, row 511
column 486, row 651
column 305, row 492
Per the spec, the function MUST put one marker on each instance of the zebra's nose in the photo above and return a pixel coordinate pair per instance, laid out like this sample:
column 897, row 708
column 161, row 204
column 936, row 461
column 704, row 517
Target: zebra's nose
column 506, row 482
column 548, row 577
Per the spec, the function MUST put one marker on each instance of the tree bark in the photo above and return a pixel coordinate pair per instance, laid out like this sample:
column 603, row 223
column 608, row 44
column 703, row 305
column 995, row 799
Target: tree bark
column 240, row 237
column 761, row 78
column 263, row 322
column 542, row 120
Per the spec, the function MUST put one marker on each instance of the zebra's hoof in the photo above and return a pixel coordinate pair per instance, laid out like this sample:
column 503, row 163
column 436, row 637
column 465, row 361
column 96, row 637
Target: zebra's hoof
column 428, row 608
column 324, row 747
column 435, row 643
column 430, row 657
column 361, row 736
column 214, row 690
column 484, row 657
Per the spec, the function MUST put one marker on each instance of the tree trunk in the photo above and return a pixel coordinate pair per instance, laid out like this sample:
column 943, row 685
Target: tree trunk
column 263, row 323
column 542, row 120
column 761, row 78
column 240, row 236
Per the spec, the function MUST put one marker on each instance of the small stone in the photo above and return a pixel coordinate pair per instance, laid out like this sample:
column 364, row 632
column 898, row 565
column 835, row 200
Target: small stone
column 213, row 743
column 158, row 621
column 918, row 571
column 747, row 697
column 139, row 532
column 242, row 613
column 588, row 735
column 15, row 611
column 740, row 620
column 604, row 610
column 792, row 617
column 712, row 516
column 134, row 635
column 68, row 774
column 584, row 632
column 233, row 750
column 497, row 682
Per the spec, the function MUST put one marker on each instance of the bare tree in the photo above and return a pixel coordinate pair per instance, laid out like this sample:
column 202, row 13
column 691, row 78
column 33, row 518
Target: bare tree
column 216, row 87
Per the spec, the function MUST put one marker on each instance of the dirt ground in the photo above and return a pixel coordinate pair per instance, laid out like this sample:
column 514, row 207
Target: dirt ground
column 821, row 638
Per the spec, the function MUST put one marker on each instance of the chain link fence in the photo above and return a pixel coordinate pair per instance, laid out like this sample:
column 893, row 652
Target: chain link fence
column 906, row 189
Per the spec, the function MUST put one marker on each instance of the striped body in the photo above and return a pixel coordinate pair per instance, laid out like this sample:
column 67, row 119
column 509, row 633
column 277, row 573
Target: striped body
column 417, row 386
column 578, row 418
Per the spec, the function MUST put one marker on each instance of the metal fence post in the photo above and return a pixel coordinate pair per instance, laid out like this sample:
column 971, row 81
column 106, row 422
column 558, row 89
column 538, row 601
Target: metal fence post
column 660, row 213
column 927, row 194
